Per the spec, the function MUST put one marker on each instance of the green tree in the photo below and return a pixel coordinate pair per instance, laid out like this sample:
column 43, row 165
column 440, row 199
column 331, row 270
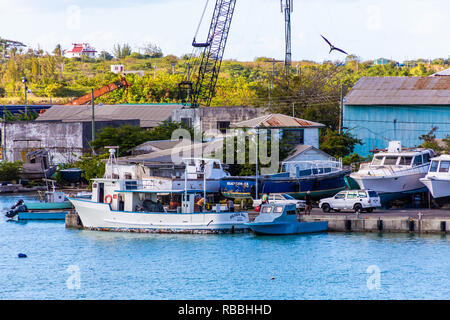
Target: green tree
column 127, row 137
column 338, row 144
column 152, row 50
column 10, row 170
column 123, row 51
column 430, row 142
column 58, row 50
column 92, row 166
column 105, row 55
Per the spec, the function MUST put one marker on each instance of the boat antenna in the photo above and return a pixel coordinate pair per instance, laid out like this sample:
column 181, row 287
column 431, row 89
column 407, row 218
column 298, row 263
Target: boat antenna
column 112, row 162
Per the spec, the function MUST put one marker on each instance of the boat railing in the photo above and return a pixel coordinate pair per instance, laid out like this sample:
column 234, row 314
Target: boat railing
column 392, row 170
column 312, row 168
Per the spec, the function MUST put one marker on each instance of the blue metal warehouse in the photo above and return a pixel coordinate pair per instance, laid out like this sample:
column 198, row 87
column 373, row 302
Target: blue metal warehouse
column 380, row 109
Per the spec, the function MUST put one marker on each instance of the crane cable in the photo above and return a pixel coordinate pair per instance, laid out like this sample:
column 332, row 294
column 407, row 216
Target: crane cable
column 201, row 19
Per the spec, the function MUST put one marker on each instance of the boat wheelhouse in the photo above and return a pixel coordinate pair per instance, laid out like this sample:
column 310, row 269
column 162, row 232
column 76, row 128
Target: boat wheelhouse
column 279, row 219
column 199, row 172
column 437, row 179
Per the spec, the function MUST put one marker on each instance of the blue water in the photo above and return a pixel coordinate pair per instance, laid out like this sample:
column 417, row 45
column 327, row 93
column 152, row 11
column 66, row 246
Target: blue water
column 153, row 266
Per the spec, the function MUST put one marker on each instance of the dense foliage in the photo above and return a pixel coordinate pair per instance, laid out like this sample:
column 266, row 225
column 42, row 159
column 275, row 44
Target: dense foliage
column 127, row 137
column 430, row 141
column 10, row 170
column 308, row 90
column 337, row 144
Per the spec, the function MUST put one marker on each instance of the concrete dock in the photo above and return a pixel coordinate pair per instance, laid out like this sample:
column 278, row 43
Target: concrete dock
column 409, row 220
column 73, row 221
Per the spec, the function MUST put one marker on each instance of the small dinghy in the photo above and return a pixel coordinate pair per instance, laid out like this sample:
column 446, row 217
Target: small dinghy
column 277, row 219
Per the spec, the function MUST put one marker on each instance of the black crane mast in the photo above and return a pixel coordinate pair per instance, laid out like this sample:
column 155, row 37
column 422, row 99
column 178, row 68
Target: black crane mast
column 201, row 89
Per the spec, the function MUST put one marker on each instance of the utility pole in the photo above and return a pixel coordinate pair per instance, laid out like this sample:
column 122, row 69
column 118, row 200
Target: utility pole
column 287, row 7
column 256, row 170
column 24, row 81
column 273, row 77
column 341, row 104
column 93, row 114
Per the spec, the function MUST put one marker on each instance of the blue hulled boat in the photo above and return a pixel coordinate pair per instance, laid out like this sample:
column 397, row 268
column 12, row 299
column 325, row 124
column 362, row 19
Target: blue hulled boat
column 71, row 175
column 321, row 178
column 278, row 219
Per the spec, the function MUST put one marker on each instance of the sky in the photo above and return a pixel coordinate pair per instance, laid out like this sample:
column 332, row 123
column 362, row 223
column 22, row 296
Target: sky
column 393, row 29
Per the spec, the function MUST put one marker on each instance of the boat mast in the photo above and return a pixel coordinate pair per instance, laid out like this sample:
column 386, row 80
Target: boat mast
column 204, row 183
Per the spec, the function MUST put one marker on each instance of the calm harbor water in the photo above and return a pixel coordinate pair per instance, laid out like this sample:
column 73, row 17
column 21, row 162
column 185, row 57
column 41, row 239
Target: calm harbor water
column 73, row 264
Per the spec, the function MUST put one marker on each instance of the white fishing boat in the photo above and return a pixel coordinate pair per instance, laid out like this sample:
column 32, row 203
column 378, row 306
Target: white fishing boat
column 395, row 172
column 437, row 179
column 126, row 205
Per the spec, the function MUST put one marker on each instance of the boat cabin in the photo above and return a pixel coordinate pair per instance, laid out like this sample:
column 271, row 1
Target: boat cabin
column 271, row 211
column 309, row 168
column 407, row 158
column 199, row 168
column 131, row 196
column 196, row 169
column 440, row 165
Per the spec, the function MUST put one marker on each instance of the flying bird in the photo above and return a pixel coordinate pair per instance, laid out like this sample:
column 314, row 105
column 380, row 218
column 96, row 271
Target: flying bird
column 333, row 47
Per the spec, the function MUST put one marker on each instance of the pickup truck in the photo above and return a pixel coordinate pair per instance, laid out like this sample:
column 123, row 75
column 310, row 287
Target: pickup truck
column 282, row 198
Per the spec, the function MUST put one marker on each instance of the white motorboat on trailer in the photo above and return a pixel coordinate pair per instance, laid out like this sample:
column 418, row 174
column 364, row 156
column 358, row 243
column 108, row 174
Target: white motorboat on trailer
column 395, row 172
column 437, row 179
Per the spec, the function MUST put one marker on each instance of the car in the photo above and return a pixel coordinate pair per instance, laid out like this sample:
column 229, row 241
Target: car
column 357, row 200
column 281, row 198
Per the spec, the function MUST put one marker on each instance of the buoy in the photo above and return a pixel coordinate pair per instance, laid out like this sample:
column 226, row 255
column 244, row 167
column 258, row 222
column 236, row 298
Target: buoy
column 22, row 255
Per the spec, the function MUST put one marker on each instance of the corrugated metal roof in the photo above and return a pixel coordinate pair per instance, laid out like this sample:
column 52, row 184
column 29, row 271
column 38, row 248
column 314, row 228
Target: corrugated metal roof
column 445, row 72
column 400, row 91
column 182, row 150
column 159, row 144
column 299, row 149
column 149, row 115
column 277, row 121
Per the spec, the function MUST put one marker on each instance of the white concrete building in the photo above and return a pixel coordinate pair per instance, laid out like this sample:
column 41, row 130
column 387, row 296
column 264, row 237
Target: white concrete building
column 80, row 49
column 117, row 68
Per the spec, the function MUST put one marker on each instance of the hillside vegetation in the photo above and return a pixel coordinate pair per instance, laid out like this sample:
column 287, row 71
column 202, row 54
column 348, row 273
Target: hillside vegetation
column 313, row 89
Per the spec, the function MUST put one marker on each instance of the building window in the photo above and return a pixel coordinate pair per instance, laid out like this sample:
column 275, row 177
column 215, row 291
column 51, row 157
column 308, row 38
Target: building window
column 222, row 126
column 294, row 136
column 187, row 121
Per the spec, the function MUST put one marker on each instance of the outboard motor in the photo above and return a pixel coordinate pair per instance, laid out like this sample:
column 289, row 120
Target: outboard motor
column 15, row 209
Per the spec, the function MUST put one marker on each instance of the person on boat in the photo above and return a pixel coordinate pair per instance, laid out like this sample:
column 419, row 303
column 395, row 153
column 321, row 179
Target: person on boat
column 230, row 205
column 200, row 204
column 308, row 203
column 264, row 199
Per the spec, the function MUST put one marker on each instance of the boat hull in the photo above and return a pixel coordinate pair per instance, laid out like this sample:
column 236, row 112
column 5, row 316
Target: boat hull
column 439, row 188
column 271, row 228
column 99, row 216
column 390, row 184
column 49, row 205
column 319, row 186
column 71, row 175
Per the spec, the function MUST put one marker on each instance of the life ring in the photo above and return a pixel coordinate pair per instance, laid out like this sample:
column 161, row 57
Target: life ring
column 108, row 199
